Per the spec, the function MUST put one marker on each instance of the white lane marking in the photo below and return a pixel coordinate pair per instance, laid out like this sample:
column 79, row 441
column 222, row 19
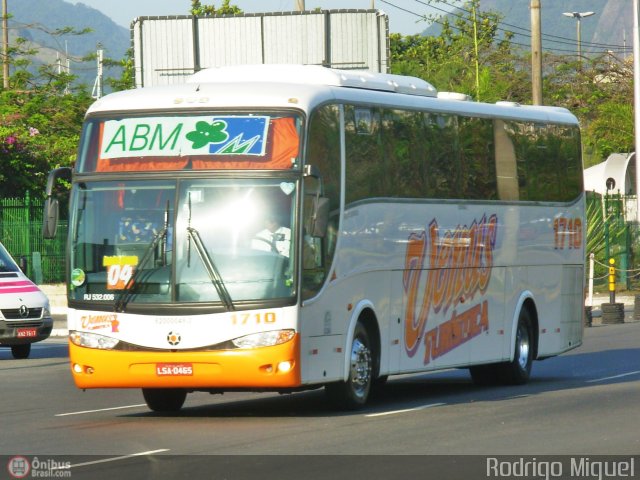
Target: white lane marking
column 114, row 459
column 406, row 410
column 100, row 410
column 603, row 379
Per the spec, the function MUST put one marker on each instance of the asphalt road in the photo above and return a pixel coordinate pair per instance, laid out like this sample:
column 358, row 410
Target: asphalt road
column 583, row 403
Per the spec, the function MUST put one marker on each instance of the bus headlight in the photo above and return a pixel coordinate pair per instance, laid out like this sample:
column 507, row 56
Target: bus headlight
column 92, row 340
column 264, row 339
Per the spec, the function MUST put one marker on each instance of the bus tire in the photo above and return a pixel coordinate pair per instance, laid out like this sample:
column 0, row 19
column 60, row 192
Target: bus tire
column 518, row 370
column 164, row 399
column 21, row 351
column 354, row 393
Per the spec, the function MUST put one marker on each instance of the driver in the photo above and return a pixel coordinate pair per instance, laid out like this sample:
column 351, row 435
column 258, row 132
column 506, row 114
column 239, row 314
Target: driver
column 275, row 237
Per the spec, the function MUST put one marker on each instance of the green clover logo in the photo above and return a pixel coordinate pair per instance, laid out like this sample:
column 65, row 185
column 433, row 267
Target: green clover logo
column 206, row 133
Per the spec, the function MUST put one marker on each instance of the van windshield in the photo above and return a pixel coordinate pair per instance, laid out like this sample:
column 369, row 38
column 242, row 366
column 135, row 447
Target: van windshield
column 6, row 262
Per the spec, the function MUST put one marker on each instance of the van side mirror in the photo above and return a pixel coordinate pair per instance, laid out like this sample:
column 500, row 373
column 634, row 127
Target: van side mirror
column 51, row 212
column 22, row 264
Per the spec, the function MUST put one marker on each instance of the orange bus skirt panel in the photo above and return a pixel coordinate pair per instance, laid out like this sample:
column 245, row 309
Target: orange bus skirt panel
column 242, row 368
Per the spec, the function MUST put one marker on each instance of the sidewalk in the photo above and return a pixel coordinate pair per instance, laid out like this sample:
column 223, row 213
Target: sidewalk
column 58, row 300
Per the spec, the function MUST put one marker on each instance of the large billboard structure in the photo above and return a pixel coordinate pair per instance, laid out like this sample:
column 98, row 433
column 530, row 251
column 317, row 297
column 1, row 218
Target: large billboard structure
column 167, row 49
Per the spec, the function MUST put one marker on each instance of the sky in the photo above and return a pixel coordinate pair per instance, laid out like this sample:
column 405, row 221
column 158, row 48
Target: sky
column 404, row 15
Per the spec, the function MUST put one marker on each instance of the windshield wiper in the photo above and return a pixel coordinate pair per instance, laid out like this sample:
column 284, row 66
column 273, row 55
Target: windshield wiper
column 125, row 294
column 211, row 269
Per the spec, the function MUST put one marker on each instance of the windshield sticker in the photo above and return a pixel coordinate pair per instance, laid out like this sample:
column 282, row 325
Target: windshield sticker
column 78, row 277
column 177, row 136
column 119, row 271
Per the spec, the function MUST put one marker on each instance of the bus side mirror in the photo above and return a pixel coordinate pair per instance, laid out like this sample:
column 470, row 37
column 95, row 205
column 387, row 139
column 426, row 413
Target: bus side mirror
column 51, row 212
column 50, row 218
column 319, row 217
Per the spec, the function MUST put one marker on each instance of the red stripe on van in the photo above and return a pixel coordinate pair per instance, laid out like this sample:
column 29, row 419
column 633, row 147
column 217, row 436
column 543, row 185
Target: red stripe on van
column 4, row 291
column 22, row 286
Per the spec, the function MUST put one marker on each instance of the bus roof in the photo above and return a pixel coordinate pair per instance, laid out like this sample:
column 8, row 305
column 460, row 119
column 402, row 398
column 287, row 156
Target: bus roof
column 305, row 86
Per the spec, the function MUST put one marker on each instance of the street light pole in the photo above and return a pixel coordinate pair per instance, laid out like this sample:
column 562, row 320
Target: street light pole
column 5, row 46
column 578, row 16
column 636, row 98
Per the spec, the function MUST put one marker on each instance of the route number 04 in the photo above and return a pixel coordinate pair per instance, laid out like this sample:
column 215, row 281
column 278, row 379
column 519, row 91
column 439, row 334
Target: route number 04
column 118, row 276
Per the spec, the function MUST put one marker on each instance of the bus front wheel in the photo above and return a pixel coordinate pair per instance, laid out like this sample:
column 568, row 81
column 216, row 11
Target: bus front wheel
column 354, row 393
column 164, row 399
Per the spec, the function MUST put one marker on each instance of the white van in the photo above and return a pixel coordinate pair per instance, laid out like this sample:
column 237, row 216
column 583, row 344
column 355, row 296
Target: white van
column 25, row 316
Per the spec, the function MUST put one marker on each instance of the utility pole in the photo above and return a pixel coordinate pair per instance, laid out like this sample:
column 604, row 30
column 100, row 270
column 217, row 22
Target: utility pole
column 5, row 46
column 536, row 53
column 300, row 5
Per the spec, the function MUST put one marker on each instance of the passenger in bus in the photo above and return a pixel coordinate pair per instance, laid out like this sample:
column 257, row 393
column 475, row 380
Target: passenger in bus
column 274, row 237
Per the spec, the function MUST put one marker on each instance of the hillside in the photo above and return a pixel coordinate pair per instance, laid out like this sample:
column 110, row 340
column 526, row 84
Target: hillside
column 31, row 19
column 605, row 30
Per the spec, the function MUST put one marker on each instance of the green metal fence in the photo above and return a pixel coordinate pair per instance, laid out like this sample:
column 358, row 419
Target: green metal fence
column 611, row 235
column 21, row 234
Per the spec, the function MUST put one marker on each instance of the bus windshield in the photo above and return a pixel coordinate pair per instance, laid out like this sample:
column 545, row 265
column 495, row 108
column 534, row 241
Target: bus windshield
column 217, row 241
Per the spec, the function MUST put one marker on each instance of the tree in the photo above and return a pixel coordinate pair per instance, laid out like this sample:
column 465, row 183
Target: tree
column 598, row 93
column 226, row 9
column 468, row 56
column 40, row 121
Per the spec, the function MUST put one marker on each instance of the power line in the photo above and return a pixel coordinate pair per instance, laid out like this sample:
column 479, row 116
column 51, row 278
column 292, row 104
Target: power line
column 562, row 40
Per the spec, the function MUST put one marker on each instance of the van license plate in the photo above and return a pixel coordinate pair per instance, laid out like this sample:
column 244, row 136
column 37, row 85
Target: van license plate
column 27, row 332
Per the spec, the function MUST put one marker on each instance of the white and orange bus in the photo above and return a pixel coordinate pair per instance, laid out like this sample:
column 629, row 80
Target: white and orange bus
column 280, row 228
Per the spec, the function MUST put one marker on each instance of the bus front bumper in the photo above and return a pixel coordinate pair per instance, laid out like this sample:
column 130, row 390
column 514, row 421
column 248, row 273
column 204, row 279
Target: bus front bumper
column 276, row 367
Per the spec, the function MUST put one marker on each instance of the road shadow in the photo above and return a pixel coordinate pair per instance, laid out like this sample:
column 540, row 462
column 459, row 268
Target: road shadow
column 449, row 387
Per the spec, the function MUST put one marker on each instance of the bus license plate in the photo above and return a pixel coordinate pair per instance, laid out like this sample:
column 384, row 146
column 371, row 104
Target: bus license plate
column 27, row 332
column 174, row 369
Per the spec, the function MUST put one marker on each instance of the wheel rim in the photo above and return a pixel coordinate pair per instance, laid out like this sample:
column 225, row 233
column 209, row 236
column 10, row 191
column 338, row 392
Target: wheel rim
column 361, row 367
column 523, row 347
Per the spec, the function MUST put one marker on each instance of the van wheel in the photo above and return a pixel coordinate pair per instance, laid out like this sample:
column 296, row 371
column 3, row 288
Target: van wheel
column 21, row 351
column 354, row 393
column 164, row 399
column 517, row 371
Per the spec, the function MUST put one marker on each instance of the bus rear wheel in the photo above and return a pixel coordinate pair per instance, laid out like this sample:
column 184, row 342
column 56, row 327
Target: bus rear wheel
column 354, row 393
column 518, row 370
column 164, row 399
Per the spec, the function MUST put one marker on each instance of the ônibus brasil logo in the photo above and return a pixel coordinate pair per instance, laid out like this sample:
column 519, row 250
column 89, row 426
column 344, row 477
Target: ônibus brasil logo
column 20, row 467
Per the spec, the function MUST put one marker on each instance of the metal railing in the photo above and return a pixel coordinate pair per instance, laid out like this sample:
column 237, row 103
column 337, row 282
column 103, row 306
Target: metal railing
column 21, row 234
